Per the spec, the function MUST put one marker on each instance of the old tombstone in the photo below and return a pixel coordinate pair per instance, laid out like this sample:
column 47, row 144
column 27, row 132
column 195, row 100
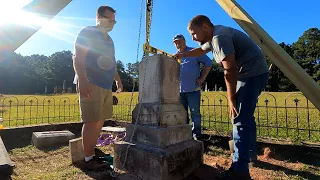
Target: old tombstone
column 162, row 147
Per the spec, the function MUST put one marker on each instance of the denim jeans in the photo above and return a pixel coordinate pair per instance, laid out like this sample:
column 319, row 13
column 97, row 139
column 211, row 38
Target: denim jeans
column 244, row 125
column 192, row 100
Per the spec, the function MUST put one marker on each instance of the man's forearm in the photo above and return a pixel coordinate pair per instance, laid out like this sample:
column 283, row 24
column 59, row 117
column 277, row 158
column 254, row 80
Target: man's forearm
column 194, row 53
column 79, row 68
column 205, row 72
column 231, row 83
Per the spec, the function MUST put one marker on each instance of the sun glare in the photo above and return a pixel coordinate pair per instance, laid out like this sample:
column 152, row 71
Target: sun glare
column 11, row 12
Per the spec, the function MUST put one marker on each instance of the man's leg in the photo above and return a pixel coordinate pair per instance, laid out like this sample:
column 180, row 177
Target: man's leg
column 194, row 104
column 91, row 116
column 184, row 102
column 244, row 124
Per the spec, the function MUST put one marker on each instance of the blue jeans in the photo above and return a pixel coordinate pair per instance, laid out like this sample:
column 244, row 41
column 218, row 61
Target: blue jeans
column 192, row 100
column 244, row 125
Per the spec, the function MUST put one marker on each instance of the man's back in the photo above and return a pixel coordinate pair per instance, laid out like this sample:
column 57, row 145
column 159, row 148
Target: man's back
column 250, row 59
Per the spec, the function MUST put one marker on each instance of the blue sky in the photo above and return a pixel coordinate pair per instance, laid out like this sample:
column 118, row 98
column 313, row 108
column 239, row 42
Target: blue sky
column 284, row 20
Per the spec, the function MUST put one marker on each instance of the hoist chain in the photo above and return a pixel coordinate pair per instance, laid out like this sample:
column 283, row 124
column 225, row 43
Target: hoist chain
column 145, row 54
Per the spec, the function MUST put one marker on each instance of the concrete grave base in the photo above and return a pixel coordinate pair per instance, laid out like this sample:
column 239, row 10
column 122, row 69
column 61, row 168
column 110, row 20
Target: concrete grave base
column 157, row 136
column 51, row 138
column 151, row 163
column 6, row 165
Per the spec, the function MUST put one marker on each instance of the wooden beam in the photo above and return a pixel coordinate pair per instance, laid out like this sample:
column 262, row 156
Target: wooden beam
column 277, row 55
column 12, row 35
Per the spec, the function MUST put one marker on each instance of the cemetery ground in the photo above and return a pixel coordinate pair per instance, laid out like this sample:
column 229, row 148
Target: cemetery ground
column 286, row 117
column 55, row 163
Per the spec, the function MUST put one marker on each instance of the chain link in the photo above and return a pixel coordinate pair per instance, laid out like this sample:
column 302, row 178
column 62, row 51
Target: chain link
column 145, row 55
column 137, row 57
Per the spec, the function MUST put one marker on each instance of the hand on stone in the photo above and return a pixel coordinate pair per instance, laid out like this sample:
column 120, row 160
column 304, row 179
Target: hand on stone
column 179, row 55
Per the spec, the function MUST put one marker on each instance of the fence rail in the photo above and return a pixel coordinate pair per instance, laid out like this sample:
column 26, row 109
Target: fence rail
column 291, row 117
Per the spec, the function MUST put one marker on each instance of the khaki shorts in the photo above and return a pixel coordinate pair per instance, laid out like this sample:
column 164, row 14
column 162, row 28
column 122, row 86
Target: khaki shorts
column 99, row 107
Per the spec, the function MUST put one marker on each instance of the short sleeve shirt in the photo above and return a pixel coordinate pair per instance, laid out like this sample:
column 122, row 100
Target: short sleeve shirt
column 100, row 64
column 249, row 57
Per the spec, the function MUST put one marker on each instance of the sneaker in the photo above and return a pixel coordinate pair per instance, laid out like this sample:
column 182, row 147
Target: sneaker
column 95, row 164
column 231, row 175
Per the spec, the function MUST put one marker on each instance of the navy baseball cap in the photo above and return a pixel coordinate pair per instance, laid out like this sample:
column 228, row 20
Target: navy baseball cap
column 178, row 37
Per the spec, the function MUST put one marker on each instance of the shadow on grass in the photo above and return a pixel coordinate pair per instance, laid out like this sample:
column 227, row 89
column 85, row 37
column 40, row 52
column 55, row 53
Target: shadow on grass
column 303, row 174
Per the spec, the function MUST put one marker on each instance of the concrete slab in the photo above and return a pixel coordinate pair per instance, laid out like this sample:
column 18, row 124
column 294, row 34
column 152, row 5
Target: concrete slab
column 159, row 137
column 113, row 129
column 6, row 165
column 47, row 139
column 173, row 163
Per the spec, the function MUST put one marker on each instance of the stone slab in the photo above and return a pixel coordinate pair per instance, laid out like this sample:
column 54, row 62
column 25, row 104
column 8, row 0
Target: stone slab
column 6, row 166
column 113, row 129
column 159, row 77
column 149, row 163
column 76, row 150
column 51, row 138
column 159, row 137
column 164, row 115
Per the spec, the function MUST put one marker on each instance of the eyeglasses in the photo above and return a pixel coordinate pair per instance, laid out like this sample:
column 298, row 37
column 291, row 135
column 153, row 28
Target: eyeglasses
column 110, row 20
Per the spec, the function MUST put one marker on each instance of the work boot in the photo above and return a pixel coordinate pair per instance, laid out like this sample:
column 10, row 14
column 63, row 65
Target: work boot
column 96, row 164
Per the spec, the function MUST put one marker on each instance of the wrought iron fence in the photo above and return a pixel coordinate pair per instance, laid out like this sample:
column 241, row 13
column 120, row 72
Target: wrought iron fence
column 279, row 116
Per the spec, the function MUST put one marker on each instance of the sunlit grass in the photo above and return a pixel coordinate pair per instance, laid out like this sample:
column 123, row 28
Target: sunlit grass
column 280, row 115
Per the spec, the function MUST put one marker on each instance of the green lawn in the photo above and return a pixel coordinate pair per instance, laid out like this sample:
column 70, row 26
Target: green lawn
column 285, row 115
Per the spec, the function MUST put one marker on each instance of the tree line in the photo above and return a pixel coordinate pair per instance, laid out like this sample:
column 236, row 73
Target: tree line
column 31, row 74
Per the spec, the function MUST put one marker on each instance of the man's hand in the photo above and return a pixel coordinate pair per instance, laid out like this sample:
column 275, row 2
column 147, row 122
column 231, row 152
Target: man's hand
column 179, row 55
column 233, row 113
column 85, row 88
column 200, row 80
column 119, row 87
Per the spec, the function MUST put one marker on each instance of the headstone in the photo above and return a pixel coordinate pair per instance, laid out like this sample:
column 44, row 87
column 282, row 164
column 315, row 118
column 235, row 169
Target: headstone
column 6, row 166
column 76, row 150
column 64, row 86
column 162, row 147
column 51, row 138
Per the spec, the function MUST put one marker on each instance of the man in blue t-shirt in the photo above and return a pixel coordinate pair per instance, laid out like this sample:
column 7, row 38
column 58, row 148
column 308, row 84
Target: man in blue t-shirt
column 95, row 68
column 190, row 82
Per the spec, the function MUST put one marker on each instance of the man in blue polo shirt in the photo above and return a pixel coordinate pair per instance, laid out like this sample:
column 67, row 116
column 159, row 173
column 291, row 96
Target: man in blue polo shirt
column 190, row 82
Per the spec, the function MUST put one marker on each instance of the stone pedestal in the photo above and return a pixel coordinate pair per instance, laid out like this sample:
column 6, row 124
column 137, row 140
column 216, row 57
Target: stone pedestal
column 162, row 147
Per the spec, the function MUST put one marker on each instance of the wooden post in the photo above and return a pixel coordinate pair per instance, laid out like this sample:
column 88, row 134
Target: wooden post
column 277, row 55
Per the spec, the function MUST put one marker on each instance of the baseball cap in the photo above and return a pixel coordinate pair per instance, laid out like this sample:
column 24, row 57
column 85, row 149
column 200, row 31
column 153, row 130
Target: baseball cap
column 178, row 37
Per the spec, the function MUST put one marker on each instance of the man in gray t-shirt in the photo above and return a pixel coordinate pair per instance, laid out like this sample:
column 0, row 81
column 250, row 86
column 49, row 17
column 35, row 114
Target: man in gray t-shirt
column 246, row 74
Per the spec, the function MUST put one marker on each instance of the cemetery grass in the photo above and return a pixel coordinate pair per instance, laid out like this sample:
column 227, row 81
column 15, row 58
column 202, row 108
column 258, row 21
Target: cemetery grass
column 279, row 114
column 55, row 163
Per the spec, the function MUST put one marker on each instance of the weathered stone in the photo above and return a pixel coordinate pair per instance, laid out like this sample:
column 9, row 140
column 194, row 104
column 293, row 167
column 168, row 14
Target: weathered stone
column 155, row 114
column 76, row 150
column 162, row 148
column 6, row 166
column 51, row 138
column 159, row 77
column 159, row 137
column 150, row 163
